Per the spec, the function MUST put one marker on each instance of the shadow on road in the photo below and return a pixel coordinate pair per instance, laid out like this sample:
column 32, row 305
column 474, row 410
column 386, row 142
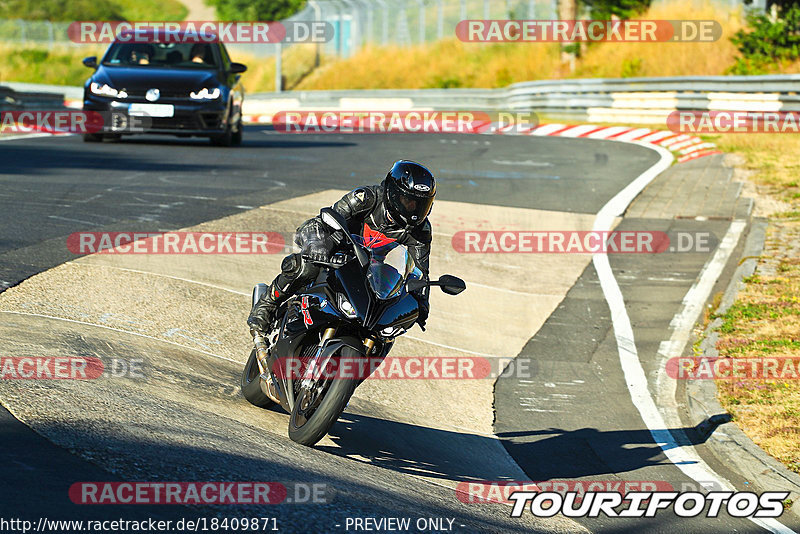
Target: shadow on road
column 558, row 454
column 419, row 450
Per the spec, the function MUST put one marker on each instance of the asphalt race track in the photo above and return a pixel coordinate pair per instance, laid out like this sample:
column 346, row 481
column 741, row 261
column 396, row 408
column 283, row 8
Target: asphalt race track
column 402, row 448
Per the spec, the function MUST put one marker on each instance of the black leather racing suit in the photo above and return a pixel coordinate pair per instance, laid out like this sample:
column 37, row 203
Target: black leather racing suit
column 366, row 216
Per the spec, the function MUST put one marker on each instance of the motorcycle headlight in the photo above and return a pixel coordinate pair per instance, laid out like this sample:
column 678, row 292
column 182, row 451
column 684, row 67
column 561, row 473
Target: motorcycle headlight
column 205, row 94
column 391, row 331
column 107, row 90
column 346, row 307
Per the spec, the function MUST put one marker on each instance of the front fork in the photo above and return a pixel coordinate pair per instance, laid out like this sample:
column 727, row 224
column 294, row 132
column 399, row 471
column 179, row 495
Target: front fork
column 316, row 366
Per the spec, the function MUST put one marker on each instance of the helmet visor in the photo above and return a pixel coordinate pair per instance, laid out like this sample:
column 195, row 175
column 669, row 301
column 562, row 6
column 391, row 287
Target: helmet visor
column 411, row 209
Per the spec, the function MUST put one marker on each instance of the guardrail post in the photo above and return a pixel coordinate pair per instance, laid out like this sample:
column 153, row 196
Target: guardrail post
column 439, row 20
column 421, row 21
column 278, row 68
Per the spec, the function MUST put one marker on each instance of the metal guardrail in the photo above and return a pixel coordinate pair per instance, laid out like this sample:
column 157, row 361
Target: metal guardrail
column 631, row 100
column 634, row 100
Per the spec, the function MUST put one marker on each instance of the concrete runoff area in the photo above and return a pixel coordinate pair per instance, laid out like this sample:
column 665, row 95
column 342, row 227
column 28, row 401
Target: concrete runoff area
column 402, row 445
column 207, row 300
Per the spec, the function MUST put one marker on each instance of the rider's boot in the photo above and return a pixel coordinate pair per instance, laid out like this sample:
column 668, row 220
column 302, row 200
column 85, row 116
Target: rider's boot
column 263, row 313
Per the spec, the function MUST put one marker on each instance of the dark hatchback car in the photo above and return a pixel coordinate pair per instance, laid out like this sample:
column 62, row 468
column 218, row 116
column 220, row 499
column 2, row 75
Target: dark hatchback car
column 183, row 89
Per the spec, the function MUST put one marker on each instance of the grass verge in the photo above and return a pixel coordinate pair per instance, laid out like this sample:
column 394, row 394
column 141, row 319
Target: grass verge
column 765, row 319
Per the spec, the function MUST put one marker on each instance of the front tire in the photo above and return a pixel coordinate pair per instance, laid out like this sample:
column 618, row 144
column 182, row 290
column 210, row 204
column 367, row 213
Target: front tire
column 308, row 429
column 236, row 137
column 251, row 384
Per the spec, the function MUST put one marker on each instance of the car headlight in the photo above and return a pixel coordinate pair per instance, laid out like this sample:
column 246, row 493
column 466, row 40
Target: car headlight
column 107, row 90
column 206, row 94
column 346, row 307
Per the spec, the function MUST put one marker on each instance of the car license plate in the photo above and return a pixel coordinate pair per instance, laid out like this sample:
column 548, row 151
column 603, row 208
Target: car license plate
column 151, row 110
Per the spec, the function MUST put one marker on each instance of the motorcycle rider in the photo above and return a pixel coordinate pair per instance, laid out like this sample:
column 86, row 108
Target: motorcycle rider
column 395, row 210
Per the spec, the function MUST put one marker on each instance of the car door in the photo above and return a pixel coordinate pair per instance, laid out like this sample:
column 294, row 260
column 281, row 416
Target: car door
column 233, row 82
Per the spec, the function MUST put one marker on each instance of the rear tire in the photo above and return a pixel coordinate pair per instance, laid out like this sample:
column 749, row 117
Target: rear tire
column 251, row 384
column 92, row 138
column 330, row 408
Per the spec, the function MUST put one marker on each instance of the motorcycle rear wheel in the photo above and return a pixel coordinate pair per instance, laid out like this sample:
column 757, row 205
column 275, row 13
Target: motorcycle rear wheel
column 251, row 384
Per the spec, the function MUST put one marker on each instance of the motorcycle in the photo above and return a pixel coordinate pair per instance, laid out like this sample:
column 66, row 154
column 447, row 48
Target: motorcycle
column 347, row 319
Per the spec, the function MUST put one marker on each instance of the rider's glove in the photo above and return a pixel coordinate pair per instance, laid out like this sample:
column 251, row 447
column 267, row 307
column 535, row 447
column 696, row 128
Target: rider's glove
column 316, row 251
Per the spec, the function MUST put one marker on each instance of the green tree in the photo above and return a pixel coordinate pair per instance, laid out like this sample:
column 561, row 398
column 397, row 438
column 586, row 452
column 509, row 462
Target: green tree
column 621, row 9
column 771, row 37
column 264, row 10
column 60, row 10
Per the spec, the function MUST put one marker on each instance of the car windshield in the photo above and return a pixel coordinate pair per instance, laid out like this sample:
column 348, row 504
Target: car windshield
column 173, row 55
column 389, row 267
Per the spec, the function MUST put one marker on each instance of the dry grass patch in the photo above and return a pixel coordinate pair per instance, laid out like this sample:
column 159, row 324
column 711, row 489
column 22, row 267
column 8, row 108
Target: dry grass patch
column 765, row 319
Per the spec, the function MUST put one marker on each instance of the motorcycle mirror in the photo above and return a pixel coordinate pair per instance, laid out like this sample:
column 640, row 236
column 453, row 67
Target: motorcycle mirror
column 333, row 219
column 415, row 284
column 451, row 285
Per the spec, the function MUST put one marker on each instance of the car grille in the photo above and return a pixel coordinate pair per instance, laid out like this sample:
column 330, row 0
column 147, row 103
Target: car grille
column 193, row 121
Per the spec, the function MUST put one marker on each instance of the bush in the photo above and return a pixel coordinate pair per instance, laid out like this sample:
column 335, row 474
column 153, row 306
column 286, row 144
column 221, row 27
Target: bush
column 61, row 10
column 621, row 9
column 768, row 40
column 264, row 10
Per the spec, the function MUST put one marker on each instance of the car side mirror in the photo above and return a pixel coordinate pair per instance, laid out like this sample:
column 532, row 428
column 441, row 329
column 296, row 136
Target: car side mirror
column 237, row 68
column 90, row 62
column 451, row 285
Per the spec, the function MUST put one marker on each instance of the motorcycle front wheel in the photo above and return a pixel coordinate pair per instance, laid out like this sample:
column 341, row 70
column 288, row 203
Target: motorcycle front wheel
column 311, row 417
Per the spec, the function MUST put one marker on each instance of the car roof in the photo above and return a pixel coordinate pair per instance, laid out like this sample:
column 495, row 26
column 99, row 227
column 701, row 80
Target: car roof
column 148, row 36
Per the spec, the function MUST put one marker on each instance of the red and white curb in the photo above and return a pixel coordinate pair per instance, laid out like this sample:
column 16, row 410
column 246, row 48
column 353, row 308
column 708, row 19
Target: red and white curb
column 685, row 147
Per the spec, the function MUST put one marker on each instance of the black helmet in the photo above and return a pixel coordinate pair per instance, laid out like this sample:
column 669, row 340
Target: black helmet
column 408, row 192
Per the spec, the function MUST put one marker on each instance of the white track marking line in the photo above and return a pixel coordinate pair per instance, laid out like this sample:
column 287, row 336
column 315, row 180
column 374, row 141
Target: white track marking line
column 512, row 291
column 685, row 319
column 56, row 217
column 450, row 347
column 85, row 264
column 24, row 136
column 121, row 331
column 684, row 458
column 82, row 264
